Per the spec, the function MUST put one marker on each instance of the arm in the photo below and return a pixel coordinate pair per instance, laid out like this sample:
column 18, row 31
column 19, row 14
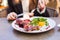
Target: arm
column 11, row 14
column 10, row 8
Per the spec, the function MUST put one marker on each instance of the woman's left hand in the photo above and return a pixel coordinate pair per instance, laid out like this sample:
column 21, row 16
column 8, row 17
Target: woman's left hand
column 31, row 14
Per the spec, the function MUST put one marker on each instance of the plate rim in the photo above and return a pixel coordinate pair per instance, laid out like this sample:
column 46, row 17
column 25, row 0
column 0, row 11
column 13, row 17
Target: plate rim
column 35, row 32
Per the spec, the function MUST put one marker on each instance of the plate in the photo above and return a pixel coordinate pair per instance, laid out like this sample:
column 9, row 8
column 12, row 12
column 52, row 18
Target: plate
column 51, row 22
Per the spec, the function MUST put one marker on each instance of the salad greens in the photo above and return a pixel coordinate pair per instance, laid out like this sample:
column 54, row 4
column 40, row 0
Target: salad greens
column 35, row 21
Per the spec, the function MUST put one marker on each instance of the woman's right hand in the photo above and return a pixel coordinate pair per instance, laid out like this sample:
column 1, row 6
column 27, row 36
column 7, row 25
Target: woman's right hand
column 11, row 16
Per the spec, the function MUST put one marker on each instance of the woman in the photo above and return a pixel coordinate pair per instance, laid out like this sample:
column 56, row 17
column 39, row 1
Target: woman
column 20, row 6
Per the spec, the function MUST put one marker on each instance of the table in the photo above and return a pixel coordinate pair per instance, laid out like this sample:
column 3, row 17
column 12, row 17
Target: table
column 8, row 33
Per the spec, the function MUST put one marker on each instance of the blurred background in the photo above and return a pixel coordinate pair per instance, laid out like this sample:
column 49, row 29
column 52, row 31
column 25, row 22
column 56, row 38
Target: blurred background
column 55, row 4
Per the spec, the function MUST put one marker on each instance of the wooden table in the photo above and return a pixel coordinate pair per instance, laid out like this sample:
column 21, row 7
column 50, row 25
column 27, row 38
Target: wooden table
column 8, row 33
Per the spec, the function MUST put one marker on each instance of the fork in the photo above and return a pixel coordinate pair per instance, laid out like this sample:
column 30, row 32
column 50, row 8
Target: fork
column 19, row 15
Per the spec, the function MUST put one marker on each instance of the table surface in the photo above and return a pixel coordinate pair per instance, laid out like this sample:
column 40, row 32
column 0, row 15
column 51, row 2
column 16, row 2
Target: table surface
column 8, row 33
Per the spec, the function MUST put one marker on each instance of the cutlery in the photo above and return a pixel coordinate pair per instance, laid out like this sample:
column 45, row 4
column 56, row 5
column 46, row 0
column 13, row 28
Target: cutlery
column 19, row 15
column 25, row 15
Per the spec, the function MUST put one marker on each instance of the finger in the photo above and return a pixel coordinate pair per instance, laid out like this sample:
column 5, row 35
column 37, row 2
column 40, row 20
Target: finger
column 9, row 17
column 14, row 14
column 12, row 17
column 31, row 14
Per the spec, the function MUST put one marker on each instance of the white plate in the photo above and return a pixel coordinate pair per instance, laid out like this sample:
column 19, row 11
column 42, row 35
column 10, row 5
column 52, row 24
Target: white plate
column 51, row 22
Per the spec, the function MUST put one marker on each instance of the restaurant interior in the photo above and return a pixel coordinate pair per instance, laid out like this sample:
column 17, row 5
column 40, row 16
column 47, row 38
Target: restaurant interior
column 28, row 27
column 4, row 6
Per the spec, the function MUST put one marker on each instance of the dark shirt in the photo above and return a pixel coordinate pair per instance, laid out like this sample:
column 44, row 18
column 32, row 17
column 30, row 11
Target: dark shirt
column 17, row 7
column 45, row 14
column 14, row 8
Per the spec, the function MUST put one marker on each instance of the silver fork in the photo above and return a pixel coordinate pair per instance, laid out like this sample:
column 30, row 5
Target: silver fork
column 19, row 15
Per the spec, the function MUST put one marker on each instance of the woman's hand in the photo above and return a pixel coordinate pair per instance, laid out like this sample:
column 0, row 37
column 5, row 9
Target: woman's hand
column 11, row 16
column 31, row 14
